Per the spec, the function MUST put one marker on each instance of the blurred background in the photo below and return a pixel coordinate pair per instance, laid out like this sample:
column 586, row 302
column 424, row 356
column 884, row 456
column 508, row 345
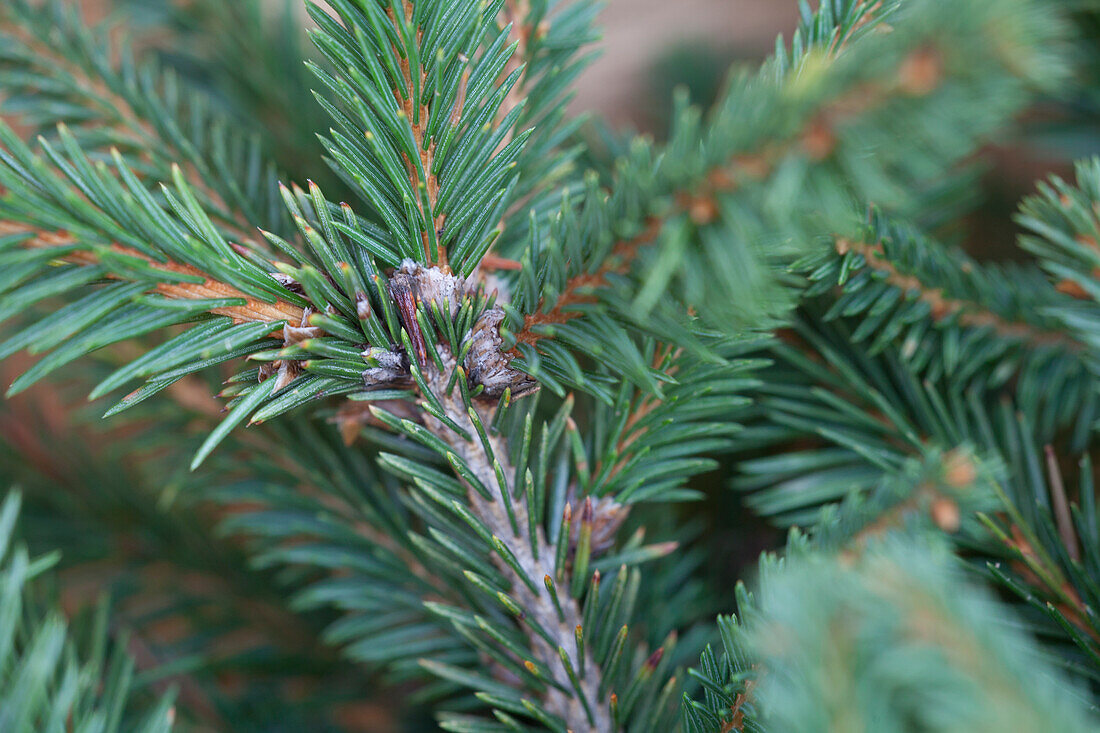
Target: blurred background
column 651, row 45
column 645, row 46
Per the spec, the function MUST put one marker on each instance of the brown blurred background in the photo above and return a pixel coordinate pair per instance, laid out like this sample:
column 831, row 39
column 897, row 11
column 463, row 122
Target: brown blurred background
column 640, row 37
column 639, row 34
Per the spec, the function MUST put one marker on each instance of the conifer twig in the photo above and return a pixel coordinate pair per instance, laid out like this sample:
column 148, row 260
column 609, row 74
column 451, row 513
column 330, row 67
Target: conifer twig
column 129, row 122
column 535, row 562
column 253, row 310
column 943, row 307
column 416, row 116
column 578, row 289
column 918, row 75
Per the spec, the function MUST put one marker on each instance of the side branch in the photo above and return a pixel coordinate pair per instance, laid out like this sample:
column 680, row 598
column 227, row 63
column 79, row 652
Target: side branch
column 536, row 563
column 968, row 313
column 128, row 122
column 579, row 288
column 252, row 311
column 918, row 75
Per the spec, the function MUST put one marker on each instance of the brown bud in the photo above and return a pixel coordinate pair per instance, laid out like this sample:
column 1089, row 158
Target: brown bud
column 921, row 72
column 818, row 141
column 702, row 209
column 959, row 470
column 945, row 513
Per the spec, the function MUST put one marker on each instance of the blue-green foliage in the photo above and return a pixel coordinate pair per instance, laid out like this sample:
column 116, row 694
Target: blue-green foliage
column 49, row 682
column 894, row 640
column 56, row 70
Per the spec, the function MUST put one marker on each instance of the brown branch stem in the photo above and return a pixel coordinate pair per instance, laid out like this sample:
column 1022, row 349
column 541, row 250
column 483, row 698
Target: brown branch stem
column 968, row 313
column 252, row 311
column 918, row 75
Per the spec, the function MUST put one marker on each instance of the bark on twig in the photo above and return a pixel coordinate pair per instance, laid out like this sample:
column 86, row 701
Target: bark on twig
column 536, row 563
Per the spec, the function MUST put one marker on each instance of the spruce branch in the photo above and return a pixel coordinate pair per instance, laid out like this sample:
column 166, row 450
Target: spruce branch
column 134, row 106
column 927, row 318
column 705, row 207
column 251, row 311
column 528, row 562
column 1063, row 231
column 946, row 492
column 1039, row 548
column 48, row 680
column 173, row 265
column 865, row 418
column 414, row 131
column 654, row 442
column 933, row 496
column 967, row 312
column 174, row 588
column 885, row 603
